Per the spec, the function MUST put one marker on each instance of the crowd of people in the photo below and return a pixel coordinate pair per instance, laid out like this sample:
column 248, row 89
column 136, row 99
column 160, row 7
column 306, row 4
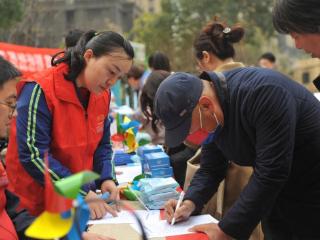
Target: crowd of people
column 250, row 121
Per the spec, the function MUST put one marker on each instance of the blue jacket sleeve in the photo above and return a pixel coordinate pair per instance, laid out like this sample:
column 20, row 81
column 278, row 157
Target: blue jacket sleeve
column 34, row 134
column 212, row 171
column 103, row 162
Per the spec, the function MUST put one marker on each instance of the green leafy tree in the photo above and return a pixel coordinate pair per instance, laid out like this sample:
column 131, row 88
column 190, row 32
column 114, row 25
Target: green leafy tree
column 174, row 30
column 155, row 31
column 11, row 12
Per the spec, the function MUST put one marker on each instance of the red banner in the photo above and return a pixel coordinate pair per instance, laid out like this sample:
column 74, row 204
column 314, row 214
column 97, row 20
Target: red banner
column 27, row 59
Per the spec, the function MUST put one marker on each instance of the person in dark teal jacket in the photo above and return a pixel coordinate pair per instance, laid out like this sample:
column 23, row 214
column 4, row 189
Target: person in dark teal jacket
column 254, row 117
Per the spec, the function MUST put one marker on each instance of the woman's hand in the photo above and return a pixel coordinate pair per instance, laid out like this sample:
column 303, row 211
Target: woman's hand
column 110, row 186
column 98, row 207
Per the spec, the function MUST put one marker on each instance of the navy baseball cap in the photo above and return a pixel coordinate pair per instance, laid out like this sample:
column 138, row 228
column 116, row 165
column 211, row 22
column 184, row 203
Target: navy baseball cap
column 174, row 102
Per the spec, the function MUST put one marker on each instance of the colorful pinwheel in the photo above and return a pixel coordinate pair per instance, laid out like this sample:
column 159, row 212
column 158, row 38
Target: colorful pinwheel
column 127, row 132
column 65, row 212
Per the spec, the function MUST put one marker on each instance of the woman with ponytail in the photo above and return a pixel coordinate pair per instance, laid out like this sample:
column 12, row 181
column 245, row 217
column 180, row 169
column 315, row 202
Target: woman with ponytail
column 64, row 111
column 214, row 48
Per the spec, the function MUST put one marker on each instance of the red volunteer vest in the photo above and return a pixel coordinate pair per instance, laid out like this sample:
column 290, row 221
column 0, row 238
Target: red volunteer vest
column 7, row 230
column 75, row 134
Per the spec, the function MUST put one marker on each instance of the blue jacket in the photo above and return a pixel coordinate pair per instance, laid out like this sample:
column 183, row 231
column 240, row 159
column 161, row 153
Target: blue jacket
column 272, row 124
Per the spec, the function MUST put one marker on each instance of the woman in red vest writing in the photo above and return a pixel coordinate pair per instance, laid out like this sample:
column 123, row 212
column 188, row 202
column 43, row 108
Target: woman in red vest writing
column 64, row 111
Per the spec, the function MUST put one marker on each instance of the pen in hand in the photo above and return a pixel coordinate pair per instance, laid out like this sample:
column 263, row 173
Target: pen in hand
column 178, row 205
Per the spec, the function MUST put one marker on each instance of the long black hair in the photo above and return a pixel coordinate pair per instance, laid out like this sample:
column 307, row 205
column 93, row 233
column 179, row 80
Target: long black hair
column 102, row 43
column 299, row 16
column 147, row 96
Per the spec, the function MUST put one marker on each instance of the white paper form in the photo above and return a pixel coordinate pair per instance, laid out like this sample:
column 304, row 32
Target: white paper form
column 163, row 229
column 128, row 172
column 127, row 217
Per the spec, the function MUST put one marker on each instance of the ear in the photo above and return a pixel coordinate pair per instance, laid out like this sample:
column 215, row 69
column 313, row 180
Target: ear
column 206, row 57
column 206, row 105
column 87, row 55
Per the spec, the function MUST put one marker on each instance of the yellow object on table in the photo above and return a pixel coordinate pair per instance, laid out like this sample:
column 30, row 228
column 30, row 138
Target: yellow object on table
column 49, row 226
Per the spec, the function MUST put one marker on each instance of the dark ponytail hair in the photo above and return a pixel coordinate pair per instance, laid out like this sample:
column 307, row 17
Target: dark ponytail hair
column 147, row 96
column 102, row 43
column 218, row 39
